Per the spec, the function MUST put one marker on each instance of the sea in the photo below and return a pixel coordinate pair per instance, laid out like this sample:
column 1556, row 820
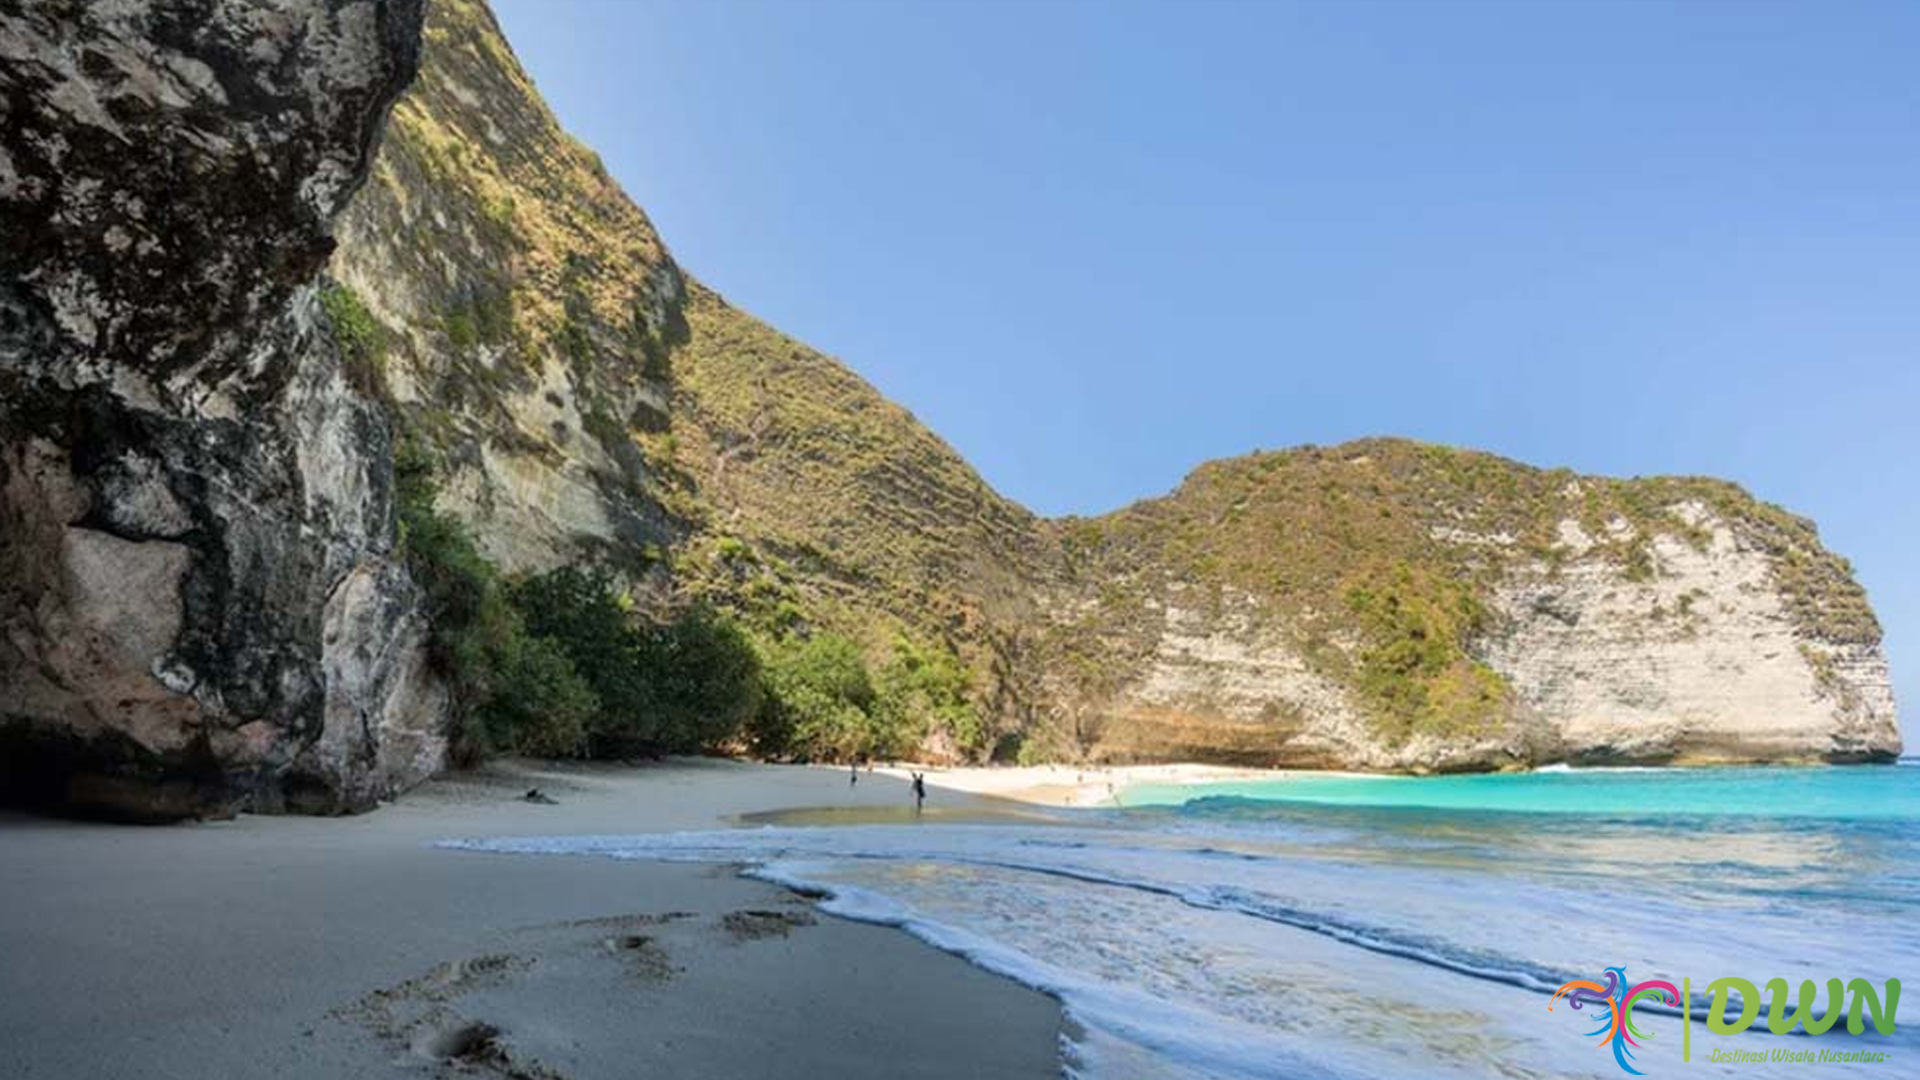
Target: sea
column 1339, row 926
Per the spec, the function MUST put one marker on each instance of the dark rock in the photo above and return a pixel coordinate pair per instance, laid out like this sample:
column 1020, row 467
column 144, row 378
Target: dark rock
column 200, row 607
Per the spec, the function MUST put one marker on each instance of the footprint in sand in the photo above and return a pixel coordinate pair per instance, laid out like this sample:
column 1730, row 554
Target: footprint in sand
column 753, row 924
column 417, row 1016
column 471, row 1044
column 649, row 959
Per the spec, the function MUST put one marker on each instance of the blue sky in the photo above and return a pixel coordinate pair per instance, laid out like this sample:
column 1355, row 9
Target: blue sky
column 1094, row 244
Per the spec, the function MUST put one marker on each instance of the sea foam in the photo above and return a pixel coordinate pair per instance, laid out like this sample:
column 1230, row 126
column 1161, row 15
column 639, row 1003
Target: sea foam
column 1237, row 938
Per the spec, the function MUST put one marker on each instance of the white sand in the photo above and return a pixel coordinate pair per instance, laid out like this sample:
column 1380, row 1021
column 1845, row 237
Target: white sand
column 308, row 948
column 1072, row 785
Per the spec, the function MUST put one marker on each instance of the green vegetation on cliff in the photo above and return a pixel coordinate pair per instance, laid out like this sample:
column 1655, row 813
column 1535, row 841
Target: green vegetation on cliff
column 1379, row 558
column 563, row 664
column 559, row 664
column 740, row 469
column 715, row 532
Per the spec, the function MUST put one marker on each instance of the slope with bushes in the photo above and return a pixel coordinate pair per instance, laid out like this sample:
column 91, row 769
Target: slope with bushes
column 599, row 420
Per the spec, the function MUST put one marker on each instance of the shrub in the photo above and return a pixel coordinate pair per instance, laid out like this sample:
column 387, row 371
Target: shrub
column 819, row 703
column 1413, row 667
column 672, row 687
column 706, row 680
column 509, row 690
column 923, row 690
column 541, row 706
column 361, row 338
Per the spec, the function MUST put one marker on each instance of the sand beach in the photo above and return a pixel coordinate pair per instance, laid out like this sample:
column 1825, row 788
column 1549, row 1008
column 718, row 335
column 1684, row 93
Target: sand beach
column 308, row 948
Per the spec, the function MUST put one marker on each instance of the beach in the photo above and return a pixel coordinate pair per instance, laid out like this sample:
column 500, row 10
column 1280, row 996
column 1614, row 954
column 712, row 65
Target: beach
column 1079, row 785
column 1211, row 924
column 308, row 947
column 702, row 918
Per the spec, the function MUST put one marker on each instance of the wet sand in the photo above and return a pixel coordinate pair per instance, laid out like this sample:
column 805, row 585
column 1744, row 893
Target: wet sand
column 308, row 948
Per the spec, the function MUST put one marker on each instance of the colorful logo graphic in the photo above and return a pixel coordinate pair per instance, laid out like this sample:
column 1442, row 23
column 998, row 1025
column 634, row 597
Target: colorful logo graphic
column 1617, row 1029
column 1723, row 1017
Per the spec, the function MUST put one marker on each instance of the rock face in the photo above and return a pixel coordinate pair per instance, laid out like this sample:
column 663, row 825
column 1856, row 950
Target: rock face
column 199, row 604
column 589, row 398
column 1701, row 661
column 1391, row 606
column 1381, row 605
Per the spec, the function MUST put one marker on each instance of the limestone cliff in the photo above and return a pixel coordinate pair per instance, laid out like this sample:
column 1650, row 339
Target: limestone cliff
column 197, row 603
column 1381, row 605
column 1389, row 605
column 197, row 581
column 587, row 398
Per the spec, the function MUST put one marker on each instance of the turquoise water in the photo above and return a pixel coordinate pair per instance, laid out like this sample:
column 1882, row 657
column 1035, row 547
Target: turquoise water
column 1343, row 928
column 1838, row 793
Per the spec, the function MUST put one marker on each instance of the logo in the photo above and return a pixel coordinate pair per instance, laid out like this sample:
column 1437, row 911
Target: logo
column 1617, row 1031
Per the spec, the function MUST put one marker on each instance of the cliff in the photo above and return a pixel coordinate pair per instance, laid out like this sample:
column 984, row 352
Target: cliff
column 1398, row 606
column 197, row 603
column 202, row 595
column 586, row 398
column 1380, row 605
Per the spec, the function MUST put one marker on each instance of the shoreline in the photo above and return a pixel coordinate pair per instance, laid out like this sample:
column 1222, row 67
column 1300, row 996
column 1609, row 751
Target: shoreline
column 1083, row 787
column 312, row 948
column 323, row 947
column 1095, row 786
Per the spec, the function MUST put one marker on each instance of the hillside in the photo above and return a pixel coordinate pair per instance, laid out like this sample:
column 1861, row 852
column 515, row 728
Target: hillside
column 209, row 369
column 589, row 398
column 1391, row 604
column 1382, row 604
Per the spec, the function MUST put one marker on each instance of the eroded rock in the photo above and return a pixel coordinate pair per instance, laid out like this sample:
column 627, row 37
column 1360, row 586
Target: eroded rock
column 200, row 606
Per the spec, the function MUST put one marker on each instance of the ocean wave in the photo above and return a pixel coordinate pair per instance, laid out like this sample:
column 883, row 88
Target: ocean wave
column 1120, row 1020
column 1200, row 1043
column 1186, row 916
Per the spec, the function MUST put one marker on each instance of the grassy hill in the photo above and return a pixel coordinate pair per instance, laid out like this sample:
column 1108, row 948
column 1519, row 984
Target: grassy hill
column 588, row 401
column 1379, row 561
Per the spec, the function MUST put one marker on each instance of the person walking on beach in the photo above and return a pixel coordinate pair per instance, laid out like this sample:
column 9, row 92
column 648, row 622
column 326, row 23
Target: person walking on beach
column 919, row 791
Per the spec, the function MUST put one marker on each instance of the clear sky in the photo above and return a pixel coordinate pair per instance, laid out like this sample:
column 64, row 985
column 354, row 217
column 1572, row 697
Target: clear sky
column 1094, row 244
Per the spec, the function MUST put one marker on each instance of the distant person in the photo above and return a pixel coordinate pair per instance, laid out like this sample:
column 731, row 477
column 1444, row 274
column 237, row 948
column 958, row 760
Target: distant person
column 853, row 774
column 919, row 791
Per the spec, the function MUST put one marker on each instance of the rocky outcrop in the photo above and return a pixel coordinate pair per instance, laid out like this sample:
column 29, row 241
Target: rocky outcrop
column 1382, row 605
column 1391, row 606
column 585, row 399
column 589, row 399
column 520, row 297
column 1233, row 686
column 1700, row 661
column 199, row 601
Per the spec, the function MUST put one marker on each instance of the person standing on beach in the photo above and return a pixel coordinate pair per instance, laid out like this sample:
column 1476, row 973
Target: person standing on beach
column 853, row 773
column 919, row 791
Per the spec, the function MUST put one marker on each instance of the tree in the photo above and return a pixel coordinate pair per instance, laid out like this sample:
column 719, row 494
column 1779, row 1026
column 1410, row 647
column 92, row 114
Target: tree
column 705, row 678
column 582, row 614
column 819, row 703
column 542, row 706
column 669, row 687
column 926, row 690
